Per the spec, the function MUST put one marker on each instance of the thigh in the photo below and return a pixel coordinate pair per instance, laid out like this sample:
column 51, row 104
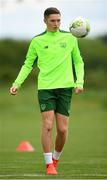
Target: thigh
column 61, row 122
column 47, row 119
column 46, row 100
column 63, row 102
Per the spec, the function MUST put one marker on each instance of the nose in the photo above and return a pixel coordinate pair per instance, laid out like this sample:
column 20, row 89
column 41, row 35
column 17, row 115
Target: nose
column 55, row 23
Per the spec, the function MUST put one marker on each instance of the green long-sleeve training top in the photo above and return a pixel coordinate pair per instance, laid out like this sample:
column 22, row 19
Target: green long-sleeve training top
column 55, row 52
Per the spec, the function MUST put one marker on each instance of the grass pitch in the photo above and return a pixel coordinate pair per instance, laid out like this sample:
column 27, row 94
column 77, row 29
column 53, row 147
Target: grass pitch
column 85, row 153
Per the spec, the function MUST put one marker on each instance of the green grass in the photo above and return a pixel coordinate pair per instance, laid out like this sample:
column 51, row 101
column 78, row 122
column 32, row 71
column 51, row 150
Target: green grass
column 85, row 153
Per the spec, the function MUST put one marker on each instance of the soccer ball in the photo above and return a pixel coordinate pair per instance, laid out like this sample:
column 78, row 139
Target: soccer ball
column 79, row 27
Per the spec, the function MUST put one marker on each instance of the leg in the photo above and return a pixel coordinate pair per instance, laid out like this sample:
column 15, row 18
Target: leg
column 62, row 131
column 47, row 125
column 47, row 106
column 46, row 137
column 62, row 117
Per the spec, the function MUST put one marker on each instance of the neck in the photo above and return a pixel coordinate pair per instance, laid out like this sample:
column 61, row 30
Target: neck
column 52, row 31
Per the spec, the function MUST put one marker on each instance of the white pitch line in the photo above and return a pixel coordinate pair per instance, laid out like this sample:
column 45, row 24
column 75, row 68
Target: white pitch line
column 13, row 175
column 61, row 179
column 62, row 162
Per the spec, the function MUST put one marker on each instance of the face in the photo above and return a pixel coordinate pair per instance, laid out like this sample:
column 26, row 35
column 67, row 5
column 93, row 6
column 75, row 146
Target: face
column 53, row 22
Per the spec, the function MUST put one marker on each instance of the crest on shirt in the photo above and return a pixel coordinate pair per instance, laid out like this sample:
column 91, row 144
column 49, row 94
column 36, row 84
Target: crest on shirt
column 46, row 47
column 63, row 44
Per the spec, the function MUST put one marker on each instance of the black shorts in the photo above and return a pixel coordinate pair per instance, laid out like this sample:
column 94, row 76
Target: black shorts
column 58, row 100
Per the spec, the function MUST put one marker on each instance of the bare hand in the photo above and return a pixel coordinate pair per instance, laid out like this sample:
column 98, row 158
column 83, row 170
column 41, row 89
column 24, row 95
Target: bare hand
column 78, row 90
column 13, row 90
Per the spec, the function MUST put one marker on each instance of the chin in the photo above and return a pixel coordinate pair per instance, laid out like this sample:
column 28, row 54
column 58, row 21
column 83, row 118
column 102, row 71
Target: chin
column 55, row 29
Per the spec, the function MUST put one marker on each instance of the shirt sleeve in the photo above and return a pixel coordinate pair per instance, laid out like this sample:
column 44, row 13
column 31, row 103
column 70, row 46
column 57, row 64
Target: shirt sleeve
column 78, row 65
column 31, row 57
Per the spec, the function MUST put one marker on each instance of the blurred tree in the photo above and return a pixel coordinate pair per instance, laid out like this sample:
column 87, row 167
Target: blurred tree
column 104, row 38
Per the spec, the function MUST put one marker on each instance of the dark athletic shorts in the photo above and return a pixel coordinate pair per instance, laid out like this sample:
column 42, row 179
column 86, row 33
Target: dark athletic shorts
column 58, row 100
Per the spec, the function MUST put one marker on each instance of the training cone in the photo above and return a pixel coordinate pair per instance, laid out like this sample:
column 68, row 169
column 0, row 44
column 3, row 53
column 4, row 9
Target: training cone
column 25, row 146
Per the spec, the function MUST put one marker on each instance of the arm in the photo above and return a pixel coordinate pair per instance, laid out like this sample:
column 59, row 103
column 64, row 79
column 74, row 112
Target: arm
column 26, row 68
column 79, row 68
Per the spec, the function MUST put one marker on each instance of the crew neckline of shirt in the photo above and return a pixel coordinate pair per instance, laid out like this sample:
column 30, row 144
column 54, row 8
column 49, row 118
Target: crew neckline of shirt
column 52, row 33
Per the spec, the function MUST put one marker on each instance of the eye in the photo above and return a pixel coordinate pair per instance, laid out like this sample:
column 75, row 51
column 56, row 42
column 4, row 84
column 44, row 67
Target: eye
column 58, row 20
column 52, row 20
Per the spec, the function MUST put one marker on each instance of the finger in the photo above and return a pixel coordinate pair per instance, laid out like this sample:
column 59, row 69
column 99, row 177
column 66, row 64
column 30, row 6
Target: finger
column 14, row 90
column 77, row 91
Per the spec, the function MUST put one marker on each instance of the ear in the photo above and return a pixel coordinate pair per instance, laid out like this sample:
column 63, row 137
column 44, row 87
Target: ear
column 45, row 20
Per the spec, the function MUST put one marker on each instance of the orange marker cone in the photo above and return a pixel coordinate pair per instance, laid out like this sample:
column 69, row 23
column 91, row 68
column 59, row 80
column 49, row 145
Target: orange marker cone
column 25, row 146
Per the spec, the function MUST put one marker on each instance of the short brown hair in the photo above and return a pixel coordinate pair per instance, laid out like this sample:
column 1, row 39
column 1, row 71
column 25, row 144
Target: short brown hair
column 51, row 10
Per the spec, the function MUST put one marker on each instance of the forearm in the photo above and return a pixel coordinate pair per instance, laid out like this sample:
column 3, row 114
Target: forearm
column 79, row 70
column 78, row 65
column 24, row 72
column 31, row 57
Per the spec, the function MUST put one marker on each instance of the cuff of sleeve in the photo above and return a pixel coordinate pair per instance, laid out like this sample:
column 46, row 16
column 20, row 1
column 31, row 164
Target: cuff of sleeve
column 16, row 85
column 79, row 85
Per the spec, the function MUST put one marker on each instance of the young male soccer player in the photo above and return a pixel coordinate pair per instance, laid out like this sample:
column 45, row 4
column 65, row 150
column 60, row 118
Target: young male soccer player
column 55, row 51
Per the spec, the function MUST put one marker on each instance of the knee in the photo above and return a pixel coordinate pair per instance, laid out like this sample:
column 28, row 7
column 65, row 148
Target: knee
column 47, row 126
column 62, row 131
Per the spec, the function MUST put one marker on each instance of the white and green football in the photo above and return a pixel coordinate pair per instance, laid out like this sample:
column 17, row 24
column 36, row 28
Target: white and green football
column 79, row 27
